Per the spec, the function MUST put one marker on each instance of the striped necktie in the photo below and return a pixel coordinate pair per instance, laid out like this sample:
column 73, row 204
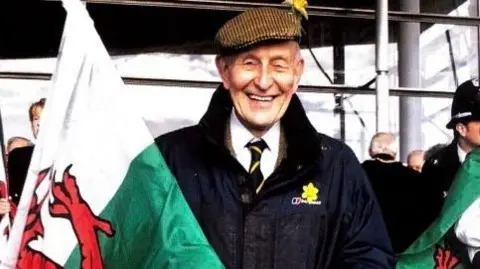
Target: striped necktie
column 256, row 149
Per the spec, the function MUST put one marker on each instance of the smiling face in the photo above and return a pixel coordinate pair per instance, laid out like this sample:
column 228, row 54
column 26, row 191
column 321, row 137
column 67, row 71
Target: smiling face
column 261, row 82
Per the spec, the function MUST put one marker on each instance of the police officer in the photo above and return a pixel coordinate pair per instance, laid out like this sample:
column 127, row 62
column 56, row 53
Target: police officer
column 439, row 171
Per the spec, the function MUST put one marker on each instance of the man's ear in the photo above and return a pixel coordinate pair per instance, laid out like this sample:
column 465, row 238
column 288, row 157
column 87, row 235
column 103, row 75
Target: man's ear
column 222, row 64
column 299, row 67
column 461, row 129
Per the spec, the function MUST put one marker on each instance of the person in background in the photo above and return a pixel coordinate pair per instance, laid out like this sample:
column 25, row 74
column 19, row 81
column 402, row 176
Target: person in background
column 4, row 207
column 34, row 114
column 396, row 188
column 415, row 160
column 19, row 158
column 17, row 142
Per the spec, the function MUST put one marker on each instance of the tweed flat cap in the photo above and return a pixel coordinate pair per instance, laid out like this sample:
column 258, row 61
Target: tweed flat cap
column 257, row 25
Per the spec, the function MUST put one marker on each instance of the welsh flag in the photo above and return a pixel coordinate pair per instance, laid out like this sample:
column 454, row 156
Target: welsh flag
column 431, row 250
column 98, row 193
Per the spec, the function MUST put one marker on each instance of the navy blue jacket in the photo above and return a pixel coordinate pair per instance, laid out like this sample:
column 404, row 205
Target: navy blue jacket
column 281, row 226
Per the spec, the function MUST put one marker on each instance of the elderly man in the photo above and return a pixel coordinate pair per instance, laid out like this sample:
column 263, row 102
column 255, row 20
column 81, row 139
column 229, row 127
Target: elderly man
column 383, row 146
column 266, row 188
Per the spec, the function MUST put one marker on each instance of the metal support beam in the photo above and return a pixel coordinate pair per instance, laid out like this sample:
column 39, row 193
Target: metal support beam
column 339, row 77
column 313, row 11
column 411, row 111
column 340, row 89
column 381, row 59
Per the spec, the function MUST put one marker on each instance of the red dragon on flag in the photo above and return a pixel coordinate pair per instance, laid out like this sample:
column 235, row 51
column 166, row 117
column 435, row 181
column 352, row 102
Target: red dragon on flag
column 69, row 204
column 444, row 258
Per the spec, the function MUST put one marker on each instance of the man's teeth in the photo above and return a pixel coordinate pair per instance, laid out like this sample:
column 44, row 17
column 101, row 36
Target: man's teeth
column 260, row 98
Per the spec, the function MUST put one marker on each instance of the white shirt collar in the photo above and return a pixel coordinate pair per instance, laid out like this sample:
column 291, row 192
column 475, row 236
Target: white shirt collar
column 241, row 135
column 461, row 154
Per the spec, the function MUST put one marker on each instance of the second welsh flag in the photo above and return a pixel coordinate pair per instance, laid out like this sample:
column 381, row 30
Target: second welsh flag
column 98, row 192
column 433, row 248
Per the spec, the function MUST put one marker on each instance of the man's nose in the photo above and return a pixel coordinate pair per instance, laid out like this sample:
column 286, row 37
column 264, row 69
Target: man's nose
column 264, row 79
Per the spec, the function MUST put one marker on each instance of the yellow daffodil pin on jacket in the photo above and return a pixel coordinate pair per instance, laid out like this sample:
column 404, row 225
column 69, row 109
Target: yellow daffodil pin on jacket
column 310, row 193
column 298, row 6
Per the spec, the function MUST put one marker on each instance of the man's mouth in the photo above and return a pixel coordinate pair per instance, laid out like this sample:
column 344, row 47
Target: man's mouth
column 261, row 98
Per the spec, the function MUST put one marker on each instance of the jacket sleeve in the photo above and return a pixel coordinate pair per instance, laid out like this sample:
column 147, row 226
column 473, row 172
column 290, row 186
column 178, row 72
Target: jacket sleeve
column 366, row 243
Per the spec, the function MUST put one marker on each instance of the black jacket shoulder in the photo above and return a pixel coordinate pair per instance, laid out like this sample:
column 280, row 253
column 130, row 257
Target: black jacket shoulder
column 440, row 169
column 184, row 138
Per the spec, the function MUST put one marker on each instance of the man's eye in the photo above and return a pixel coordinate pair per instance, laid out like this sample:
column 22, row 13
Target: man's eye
column 280, row 64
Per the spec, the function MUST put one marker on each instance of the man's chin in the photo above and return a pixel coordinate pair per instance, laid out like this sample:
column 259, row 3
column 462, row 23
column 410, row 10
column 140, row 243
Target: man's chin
column 261, row 126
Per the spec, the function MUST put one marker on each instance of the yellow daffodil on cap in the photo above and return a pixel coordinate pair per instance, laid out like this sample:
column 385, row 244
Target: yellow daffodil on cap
column 261, row 25
column 298, row 6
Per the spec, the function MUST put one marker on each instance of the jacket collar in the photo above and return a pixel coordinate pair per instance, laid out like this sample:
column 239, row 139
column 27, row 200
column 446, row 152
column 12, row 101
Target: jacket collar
column 382, row 157
column 301, row 137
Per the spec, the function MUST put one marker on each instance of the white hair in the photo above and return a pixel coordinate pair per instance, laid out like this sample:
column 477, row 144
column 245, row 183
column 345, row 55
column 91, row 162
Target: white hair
column 383, row 143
